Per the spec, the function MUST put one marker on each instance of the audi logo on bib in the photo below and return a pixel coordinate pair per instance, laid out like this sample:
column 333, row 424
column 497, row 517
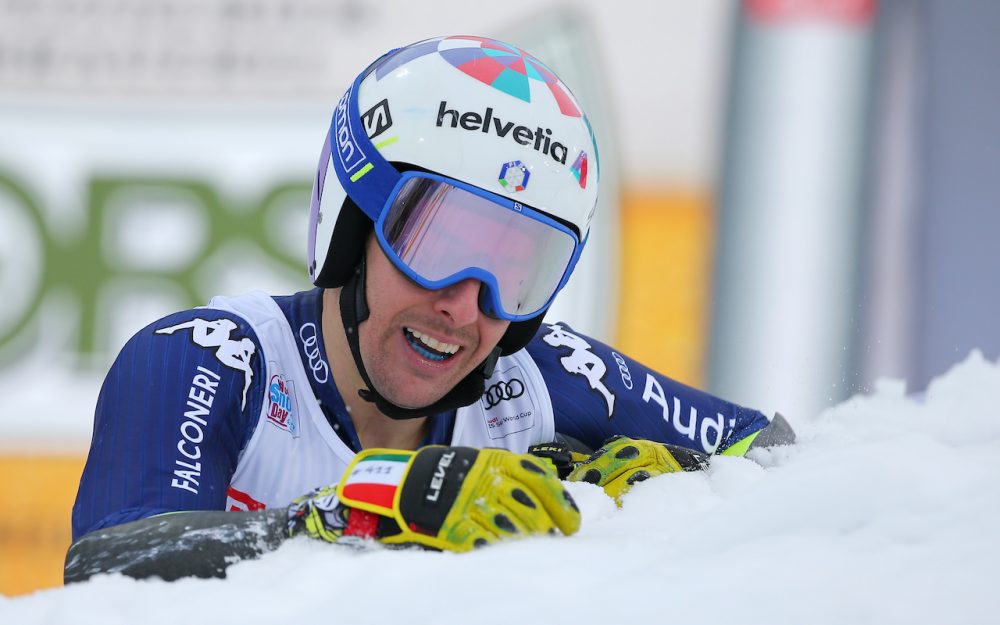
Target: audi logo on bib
column 508, row 405
column 502, row 391
column 310, row 347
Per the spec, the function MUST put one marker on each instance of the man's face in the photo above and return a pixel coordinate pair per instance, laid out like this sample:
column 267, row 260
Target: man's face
column 418, row 344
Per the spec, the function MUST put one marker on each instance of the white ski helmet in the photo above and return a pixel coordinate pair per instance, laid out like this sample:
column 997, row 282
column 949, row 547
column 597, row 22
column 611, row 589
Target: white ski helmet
column 468, row 109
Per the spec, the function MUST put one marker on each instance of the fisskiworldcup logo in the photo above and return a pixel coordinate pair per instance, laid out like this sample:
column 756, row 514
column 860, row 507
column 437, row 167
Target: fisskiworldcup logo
column 514, row 176
column 494, row 63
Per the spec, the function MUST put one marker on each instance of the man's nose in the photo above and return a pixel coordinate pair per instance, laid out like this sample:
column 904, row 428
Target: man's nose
column 460, row 302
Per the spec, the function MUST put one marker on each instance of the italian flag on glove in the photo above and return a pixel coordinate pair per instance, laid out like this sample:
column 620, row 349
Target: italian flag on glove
column 447, row 498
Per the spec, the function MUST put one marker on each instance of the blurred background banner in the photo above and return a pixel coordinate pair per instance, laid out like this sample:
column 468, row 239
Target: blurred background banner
column 789, row 254
column 797, row 197
column 857, row 214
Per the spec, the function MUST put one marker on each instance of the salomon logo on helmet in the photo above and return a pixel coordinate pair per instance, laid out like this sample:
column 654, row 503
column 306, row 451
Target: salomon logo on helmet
column 377, row 119
column 347, row 148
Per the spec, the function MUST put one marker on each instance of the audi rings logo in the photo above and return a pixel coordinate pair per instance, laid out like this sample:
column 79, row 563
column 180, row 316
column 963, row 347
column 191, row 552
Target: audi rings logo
column 502, row 391
column 623, row 369
column 310, row 347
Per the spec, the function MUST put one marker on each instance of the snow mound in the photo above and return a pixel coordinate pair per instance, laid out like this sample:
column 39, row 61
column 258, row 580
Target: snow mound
column 886, row 511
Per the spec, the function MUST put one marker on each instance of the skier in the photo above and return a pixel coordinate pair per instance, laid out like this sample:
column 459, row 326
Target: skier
column 415, row 396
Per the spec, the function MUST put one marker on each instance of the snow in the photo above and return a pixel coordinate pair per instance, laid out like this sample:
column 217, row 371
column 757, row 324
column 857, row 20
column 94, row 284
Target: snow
column 886, row 511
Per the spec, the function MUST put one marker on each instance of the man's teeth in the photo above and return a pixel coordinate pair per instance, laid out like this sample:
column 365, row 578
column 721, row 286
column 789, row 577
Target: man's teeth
column 433, row 343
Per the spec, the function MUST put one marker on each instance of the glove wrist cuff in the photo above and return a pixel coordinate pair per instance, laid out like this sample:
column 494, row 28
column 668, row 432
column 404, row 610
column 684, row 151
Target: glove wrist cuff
column 362, row 524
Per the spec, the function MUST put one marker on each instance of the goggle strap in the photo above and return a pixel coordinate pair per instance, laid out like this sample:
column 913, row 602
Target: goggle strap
column 354, row 310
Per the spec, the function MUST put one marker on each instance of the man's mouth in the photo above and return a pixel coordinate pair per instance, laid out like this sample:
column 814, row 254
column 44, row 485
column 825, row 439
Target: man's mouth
column 429, row 347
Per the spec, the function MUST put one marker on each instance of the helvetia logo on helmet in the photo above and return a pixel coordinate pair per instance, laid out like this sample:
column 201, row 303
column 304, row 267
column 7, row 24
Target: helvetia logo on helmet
column 540, row 139
column 347, row 148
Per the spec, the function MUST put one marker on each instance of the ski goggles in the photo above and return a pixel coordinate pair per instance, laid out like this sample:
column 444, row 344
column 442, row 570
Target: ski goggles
column 439, row 231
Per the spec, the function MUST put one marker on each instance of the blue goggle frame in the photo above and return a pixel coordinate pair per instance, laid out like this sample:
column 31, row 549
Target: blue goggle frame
column 491, row 297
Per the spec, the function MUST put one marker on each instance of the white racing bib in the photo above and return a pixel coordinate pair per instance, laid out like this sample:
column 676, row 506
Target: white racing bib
column 293, row 448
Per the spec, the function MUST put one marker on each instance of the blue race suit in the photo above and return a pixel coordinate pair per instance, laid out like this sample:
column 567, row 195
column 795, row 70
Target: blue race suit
column 165, row 440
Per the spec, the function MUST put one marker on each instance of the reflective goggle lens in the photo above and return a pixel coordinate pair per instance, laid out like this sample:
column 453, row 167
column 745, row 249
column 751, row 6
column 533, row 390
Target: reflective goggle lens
column 441, row 233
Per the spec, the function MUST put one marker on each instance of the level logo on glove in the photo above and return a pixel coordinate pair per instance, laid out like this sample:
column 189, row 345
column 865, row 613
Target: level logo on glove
column 622, row 462
column 447, row 498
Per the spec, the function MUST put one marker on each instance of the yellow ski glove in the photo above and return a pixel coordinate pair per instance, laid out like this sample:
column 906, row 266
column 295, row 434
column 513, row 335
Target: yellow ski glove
column 447, row 498
column 622, row 462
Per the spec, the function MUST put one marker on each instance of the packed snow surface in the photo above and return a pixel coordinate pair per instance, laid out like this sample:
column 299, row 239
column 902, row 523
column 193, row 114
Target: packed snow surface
column 886, row 511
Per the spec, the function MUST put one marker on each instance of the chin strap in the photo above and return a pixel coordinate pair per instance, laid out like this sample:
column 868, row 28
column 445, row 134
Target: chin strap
column 354, row 311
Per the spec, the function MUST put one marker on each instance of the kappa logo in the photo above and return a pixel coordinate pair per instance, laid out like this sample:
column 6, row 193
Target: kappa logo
column 503, row 390
column 581, row 361
column 233, row 352
column 377, row 119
